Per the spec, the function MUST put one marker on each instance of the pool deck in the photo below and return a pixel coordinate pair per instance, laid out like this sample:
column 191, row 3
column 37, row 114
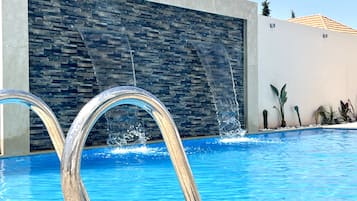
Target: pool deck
column 352, row 125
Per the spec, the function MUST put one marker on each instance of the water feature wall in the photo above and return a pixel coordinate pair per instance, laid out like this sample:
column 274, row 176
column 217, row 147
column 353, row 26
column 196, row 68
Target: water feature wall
column 63, row 73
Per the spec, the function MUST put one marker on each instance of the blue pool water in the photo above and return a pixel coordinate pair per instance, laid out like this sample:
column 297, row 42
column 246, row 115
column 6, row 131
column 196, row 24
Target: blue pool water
column 317, row 164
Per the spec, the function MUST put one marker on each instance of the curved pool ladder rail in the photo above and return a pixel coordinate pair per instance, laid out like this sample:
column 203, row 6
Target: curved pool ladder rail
column 95, row 108
column 36, row 104
column 41, row 109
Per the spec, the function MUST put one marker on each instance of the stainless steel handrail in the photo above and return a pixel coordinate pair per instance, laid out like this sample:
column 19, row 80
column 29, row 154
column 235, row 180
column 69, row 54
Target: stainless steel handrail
column 8, row 96
column 41, row 109
column 89, row 114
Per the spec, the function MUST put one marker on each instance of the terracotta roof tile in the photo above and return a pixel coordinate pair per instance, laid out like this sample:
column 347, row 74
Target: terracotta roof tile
column 323, row 22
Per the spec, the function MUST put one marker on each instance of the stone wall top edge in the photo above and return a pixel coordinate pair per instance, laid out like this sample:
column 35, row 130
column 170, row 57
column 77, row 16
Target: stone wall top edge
column 233, row 8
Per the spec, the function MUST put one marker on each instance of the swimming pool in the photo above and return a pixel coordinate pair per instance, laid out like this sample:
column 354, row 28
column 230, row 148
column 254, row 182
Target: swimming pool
column 314, row 164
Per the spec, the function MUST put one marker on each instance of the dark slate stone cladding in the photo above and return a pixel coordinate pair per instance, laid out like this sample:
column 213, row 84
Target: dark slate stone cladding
column 167, row 65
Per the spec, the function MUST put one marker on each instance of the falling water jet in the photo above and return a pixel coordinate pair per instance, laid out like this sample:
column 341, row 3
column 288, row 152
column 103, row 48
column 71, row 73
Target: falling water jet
column 110, row 50
column 219, row 72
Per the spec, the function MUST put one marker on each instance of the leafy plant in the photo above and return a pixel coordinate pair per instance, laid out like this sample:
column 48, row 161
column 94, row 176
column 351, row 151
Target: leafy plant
column 296, row 108
column 282, row 97
column 345, row 111
column 353, row 112
column 327, row 117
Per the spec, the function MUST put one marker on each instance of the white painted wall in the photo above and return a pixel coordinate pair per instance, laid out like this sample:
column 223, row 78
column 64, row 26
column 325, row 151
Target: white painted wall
column 318, row 71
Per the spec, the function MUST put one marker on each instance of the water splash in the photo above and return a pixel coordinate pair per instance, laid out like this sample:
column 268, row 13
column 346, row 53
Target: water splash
column 134, row 134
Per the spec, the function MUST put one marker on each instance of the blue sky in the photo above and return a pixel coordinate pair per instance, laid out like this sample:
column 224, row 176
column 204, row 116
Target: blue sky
column 343, row 11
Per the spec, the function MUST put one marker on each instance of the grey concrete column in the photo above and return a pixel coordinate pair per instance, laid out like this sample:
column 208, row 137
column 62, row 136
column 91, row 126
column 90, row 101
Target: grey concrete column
column 14, row 74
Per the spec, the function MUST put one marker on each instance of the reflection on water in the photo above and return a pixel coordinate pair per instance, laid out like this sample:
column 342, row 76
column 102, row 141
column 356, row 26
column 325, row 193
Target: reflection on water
column 3, row 185
column 15, row 176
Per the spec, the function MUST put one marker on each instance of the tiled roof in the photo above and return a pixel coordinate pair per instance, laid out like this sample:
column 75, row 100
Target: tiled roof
column 323, row 22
